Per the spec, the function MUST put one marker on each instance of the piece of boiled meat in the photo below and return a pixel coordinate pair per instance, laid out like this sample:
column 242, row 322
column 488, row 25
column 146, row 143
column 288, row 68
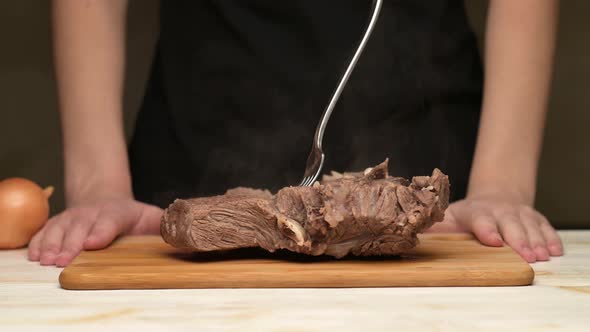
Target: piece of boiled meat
column 365, row 213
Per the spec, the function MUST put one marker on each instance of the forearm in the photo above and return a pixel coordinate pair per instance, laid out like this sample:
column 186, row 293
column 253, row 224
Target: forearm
column 89, row 66
column 520, row 41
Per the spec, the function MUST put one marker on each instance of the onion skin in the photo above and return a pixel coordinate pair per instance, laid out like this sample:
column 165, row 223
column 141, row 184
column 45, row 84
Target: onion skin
column 24, row 209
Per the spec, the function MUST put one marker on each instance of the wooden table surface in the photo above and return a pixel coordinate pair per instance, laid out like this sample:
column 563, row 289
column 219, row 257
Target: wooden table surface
column 30, row 299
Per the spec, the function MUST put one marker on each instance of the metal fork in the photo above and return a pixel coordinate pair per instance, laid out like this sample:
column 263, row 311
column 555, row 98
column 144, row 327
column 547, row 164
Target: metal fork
column 315, row 160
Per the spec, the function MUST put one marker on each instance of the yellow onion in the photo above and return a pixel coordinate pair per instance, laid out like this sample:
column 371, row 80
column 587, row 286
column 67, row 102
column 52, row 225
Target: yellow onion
column 24, row 209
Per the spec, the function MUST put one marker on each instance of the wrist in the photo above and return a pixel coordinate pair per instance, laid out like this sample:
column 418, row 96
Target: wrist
column 96, row 175
column 503, row 193
column 510, row 181
column 93, row 189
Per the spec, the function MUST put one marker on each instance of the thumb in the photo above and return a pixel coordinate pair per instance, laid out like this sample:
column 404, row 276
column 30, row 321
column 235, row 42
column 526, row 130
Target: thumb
column 472, row 219
column 102, row 234
column 485, row 228
column 148, row 221
column 448, row 225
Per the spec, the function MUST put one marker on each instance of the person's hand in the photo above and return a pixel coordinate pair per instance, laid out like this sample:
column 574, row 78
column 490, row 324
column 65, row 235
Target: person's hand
column 495, row 220
column 91, row 227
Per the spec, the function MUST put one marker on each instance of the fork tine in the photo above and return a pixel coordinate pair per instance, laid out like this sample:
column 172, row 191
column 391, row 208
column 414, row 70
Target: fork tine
column 306, row 181
column 310, row 179
column 302, row 184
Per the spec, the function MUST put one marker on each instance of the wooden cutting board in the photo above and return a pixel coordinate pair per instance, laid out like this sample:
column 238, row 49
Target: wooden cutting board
column 147, row 262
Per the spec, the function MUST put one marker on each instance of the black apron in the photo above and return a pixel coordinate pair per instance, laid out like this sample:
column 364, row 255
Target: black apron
column 238, row 86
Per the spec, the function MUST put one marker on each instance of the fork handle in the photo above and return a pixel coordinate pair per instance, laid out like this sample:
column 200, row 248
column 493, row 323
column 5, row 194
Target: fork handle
column 321, row 128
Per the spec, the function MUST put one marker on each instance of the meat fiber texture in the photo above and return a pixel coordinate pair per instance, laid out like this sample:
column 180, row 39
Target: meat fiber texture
column 363, row 214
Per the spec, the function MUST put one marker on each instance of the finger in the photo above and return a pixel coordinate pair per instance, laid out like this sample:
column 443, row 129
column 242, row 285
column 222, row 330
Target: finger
column 104, row 231
column 73, row 242
column 148, row 221
column 34, row 249
column 515, row 236
column 536, row 238
column 451, row 222
column 448, row 225
column 553, row 240
column 52, row 241
column 485, row 229
column 444, row 227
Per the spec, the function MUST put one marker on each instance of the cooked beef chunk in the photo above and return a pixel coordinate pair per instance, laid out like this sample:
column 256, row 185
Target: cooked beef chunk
column 364, row 213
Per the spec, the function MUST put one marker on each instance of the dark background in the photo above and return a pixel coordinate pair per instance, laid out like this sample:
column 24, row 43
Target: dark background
column 29, row 124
